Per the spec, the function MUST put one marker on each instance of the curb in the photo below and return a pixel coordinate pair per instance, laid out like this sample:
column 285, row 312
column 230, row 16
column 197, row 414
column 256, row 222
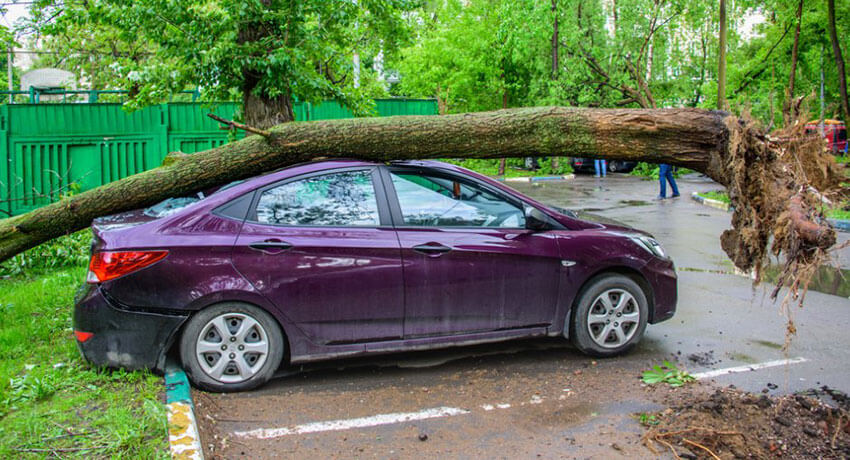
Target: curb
column 709, row 202
column 183, row 436
column 535, row 178
column 842, row 225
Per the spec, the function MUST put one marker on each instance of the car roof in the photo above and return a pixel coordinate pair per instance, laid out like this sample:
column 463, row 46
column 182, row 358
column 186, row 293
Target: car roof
column 322, row 165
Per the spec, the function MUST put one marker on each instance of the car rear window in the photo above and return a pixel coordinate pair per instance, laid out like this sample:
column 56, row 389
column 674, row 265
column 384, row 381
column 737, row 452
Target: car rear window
column 169, row 206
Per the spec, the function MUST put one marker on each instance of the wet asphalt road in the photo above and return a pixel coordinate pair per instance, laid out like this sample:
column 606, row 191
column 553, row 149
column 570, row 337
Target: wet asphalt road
column 542, row 398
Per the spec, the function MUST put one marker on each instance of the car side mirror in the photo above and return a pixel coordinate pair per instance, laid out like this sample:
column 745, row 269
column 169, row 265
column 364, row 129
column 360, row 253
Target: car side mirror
column 536, row 219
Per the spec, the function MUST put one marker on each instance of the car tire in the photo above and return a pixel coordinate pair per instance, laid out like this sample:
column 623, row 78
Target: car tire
column 594, row 324
column 231, row 347
column 613, row 166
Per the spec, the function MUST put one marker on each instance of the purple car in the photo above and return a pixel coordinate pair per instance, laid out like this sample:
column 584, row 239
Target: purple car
column 343, row 258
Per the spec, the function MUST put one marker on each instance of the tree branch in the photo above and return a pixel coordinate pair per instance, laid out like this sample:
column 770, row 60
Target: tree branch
column 233, row 124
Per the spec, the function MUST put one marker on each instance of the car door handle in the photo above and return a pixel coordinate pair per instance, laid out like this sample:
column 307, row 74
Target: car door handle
column 431, row 249
column 270, row 246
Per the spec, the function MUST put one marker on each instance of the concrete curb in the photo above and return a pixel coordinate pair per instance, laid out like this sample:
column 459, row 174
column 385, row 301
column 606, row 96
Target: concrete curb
column 842, row 225
column 183, row 436
column 535, row 178
column 709, row 202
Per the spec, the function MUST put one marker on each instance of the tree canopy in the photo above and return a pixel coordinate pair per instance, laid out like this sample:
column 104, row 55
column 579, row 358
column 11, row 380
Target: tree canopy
column 470, row 54
column 265, row 52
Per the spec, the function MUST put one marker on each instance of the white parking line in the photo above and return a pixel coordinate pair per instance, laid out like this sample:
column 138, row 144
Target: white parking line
column 363, row 422
column 748, row 368
column 438, row 412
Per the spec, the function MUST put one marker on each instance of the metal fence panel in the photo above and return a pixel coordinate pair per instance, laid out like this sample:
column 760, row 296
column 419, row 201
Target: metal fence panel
column 49, row 150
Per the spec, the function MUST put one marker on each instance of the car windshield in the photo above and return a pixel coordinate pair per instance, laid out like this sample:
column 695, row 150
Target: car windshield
column 169, row 206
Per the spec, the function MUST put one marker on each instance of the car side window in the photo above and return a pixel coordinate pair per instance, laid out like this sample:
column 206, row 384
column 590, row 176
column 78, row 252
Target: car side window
column 337, row 199
column 438, row 201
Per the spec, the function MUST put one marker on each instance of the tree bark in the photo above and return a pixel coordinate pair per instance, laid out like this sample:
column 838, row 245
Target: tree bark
column 839, row 59
column 721, row 60
column 790, row 109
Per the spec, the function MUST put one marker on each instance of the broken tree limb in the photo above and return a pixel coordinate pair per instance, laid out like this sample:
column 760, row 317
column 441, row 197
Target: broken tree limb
column 732, row 151
column 232, row 124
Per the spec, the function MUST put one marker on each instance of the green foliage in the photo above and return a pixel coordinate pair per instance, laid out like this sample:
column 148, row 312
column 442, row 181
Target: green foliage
column 278, row 49
column 47, row 391
column 667, row 373
column 67, row 251
column 647, row 419
column 647, row 170
column 515, row 167
column 718, row 195
column 839, row 212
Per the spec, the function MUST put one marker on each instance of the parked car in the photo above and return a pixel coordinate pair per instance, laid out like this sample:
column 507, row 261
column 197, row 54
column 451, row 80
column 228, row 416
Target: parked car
column 586, row 165
column 834, row 132
column 343, row 258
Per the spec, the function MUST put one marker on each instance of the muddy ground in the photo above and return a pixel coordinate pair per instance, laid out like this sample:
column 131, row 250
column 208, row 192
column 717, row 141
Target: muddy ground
column 543, row 399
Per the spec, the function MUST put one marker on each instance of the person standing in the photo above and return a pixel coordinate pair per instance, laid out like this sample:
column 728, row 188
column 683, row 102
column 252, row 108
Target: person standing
column 665, row 173
column 600, row 166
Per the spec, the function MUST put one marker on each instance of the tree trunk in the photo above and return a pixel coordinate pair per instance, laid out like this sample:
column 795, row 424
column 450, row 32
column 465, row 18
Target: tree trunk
column 790, row 110
column 264, row 112
column 721, row 60
column 711, row 142
column 259, row 109
column 839, row 59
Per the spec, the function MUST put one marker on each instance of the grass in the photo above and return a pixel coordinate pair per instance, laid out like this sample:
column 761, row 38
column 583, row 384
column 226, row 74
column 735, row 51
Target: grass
column 52, row 403
column 838, row 213
column 718, row 195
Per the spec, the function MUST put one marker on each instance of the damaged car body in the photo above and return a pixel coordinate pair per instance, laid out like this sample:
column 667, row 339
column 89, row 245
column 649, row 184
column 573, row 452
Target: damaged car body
column 343, row 258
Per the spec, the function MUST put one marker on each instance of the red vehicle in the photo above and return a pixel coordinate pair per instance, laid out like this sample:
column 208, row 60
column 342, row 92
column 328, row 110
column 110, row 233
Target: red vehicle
column 835, row 133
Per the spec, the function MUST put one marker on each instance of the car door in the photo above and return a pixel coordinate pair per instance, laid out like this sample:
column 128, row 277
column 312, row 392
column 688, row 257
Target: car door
column 470, row 264
column 322, row 249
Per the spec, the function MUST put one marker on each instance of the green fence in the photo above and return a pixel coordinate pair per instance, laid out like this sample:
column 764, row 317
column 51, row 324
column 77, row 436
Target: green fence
column 53, row 149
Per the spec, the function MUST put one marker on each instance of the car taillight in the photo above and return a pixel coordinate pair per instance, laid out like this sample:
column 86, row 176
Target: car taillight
column 82, row 336
column 105, row 266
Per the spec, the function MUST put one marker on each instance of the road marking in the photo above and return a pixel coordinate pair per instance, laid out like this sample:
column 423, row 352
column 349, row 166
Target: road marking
column 748, row 368
column 363, row 422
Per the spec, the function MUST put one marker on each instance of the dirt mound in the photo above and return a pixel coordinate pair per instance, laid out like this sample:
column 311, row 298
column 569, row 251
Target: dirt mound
column 729, row 424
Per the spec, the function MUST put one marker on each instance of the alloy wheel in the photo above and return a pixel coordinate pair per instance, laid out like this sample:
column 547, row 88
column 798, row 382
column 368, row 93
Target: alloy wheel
column 613, row 318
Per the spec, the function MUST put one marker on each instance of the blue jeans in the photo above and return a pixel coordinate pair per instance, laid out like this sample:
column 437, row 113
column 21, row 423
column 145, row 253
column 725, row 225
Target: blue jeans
column 600, row 165
column 665, row 173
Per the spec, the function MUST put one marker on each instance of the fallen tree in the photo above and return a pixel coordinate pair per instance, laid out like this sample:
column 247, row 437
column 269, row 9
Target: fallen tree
column 770, row 184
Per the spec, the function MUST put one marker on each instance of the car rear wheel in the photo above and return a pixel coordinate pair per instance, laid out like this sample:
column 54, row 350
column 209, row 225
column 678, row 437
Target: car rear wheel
column 231, row 347
column 610, row 316
column 613, row 166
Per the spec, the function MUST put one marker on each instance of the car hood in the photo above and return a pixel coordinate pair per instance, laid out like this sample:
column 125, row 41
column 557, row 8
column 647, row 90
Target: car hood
column 595, row 221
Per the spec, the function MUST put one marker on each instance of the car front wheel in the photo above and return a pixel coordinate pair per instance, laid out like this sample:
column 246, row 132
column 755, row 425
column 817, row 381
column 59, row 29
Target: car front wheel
column 231, row 347
column 610, row 316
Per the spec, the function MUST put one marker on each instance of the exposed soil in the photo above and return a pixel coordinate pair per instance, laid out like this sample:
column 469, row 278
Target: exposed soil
column 728, row 423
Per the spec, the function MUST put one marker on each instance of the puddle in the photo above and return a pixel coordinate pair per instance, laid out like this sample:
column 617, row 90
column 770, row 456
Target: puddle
column 829, row 280
column 635, row 202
